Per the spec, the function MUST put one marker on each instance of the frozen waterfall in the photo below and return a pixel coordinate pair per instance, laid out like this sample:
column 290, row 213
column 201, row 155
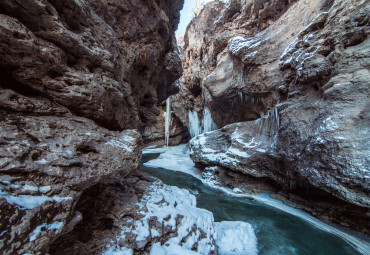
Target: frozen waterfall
column 197, row 127
column 167, row 122
column 270, row 122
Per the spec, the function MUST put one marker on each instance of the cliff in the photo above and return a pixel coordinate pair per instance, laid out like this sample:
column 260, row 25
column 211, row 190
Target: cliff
column 77, row 77
column 296, row 78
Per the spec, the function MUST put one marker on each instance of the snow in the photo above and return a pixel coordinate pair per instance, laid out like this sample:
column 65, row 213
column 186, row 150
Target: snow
column 120, row 144
column 330, row 124
column 169, row 204
column 30, row 188
column 124, row 142
column 175, row 158
column 196, row 227
column 264, row 198
column 235, row 238
column 25, row 202
column 118, row 251
column 45, row 227
column 171, row 249
column 44, row 189
column 236, row 151
column 41, row 161
column 238, row 43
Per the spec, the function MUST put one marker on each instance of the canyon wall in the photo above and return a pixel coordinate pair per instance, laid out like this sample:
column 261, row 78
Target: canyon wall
column 79, row 81
column 295, row 75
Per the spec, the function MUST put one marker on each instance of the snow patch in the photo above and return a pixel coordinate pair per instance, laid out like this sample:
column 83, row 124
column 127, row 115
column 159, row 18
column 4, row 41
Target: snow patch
column 175, row 158
column 112, row 250
column 45, row 227
column 235, row 238
column 26, row 202
column 41, row 161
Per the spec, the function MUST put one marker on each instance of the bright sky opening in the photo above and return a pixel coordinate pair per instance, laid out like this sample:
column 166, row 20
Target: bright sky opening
column 187, row 14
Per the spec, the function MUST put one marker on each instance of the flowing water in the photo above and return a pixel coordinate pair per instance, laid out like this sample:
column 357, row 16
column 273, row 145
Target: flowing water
column 278, row 232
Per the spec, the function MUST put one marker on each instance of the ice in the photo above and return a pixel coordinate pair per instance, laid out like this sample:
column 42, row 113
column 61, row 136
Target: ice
column 15, row 186
column 167, row 120
column 45, row 227
column 112, row 250
column 235, row 238
column 2, row 233
column 197, row 127
column 30, row 188
column 175, row 158
column 41, row 161
column 208, row 123
column 44, row 189
column 25, row 202
column 264, row 198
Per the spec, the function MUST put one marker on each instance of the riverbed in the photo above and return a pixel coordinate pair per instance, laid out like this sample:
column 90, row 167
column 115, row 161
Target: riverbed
column 280, row 229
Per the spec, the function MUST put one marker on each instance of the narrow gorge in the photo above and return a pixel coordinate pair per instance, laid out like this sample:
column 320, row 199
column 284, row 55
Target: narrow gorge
column 247, row 134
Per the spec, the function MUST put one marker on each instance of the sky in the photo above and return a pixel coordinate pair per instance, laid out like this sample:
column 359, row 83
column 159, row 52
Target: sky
column 187, row 14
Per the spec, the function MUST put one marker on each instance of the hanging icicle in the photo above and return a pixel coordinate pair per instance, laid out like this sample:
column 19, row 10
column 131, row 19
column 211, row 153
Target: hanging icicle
column 167, row 122
column 197, row 127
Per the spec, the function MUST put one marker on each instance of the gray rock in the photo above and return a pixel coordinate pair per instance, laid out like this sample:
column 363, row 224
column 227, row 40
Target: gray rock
column 74, row 75
column 323, row 135
column 46, row 164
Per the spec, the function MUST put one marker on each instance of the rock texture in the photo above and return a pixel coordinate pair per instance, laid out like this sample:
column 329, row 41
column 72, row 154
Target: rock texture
column 154, row 135
column 110, row 61
column 139, row 214
column 215, row 78
column 310, row 71
column 74, row 75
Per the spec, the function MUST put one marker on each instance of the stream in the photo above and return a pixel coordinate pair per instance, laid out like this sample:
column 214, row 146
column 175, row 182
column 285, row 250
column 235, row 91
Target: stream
column 278, row 232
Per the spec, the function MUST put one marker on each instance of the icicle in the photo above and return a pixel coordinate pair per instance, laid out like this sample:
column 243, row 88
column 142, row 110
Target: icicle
column 277, row 117
column 208, row 123
column 240, row 94
column 167, row 122
column 196, row 127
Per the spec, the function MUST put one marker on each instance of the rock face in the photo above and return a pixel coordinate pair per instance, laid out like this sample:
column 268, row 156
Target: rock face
column 74, row 75
column 310, row 71
column 103, row 60
column 215, row 78
column 154, row 135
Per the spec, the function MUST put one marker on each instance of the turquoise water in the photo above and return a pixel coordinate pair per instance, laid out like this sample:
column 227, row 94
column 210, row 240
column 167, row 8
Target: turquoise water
column 278, row 233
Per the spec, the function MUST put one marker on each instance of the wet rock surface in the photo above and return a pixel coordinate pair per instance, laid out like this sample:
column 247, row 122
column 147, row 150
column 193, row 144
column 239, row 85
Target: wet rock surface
column 315, row 69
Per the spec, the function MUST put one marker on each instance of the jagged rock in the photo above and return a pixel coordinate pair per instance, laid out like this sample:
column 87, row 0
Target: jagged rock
column 74, row 74
column 322, row 139
column 140, row 214
column 215, row 78
column 46, row 164
column 100, row 59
